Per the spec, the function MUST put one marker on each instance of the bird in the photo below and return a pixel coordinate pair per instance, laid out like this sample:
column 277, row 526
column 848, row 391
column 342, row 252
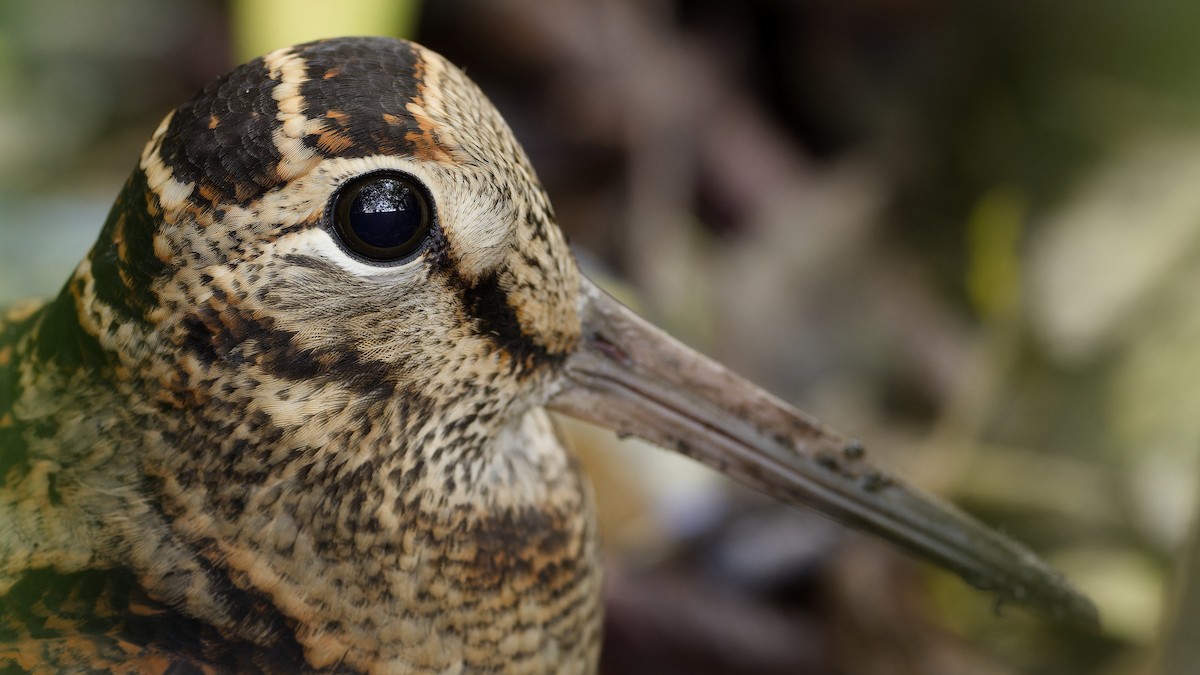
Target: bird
column 291, row 411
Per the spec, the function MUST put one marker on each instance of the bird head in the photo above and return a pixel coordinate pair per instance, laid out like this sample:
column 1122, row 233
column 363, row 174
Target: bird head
column 340, row 253
column 350, row 214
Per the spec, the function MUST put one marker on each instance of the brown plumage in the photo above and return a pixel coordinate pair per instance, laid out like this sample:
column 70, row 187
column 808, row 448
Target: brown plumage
column 241, row 440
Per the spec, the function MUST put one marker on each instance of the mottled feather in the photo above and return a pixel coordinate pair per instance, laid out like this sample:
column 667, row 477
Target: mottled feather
column 227, row 445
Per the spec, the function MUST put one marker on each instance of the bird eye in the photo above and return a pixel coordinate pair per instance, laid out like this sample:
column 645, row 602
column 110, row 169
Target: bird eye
column 382, row 217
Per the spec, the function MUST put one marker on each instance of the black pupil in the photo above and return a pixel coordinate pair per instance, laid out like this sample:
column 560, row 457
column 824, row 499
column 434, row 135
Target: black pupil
column 386, row 214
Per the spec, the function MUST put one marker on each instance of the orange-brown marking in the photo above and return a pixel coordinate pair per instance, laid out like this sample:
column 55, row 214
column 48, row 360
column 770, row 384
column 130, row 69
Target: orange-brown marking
column 126, row 279
column 6, row 421
column 426, row 143
column 332, row 72
column 332, row 141
column 29, row 653
column 5, row 355
column 213, row 121
column 154, row 663
column 142, row 609
column 128, row 647
column 119, row 240
column 208, row 191
column 59, row 623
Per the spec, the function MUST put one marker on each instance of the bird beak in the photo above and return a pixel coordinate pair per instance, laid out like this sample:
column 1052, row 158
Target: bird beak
column 633, row 378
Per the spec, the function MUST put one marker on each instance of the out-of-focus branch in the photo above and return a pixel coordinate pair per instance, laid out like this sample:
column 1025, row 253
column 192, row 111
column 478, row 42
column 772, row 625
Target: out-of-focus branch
column 1180, row 650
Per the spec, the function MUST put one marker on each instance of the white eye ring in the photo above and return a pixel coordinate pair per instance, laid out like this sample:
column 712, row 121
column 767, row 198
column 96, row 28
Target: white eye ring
column 320, row 241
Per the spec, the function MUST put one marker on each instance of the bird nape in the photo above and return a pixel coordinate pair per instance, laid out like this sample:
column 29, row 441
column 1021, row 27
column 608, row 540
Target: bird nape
column 289, row 414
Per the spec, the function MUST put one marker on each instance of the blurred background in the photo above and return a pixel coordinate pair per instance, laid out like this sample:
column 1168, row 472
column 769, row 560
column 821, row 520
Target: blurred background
column 968, row 233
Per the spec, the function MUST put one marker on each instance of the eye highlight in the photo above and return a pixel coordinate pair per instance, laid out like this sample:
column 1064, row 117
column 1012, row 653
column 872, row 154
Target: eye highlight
column 382, row 217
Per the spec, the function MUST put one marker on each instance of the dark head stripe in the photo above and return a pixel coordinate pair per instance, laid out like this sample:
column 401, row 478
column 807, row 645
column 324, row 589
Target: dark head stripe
column 360, row 91
column 354, row 99
column 495, row 319
column 221, row 141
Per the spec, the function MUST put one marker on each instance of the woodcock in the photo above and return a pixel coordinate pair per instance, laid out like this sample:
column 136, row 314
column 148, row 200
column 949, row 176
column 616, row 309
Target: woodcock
column 289, row 414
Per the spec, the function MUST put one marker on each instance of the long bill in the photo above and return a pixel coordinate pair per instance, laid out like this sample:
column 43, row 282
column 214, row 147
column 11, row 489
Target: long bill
column 635, row 379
